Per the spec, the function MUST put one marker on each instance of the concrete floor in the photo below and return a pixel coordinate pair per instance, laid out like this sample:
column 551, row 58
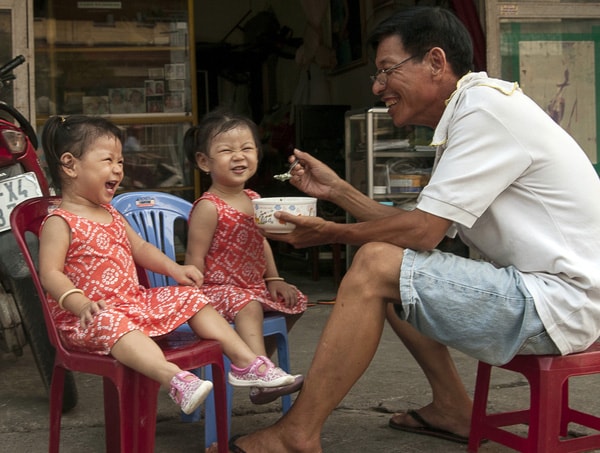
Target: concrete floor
column 393, row 382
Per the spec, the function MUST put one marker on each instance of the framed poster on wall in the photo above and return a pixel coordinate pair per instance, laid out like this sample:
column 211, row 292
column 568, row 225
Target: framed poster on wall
column 347, row 33
column 558, row 71
column 553, row 50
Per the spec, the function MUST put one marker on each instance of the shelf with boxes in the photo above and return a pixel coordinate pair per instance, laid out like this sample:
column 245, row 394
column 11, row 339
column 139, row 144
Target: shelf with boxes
column 133, row 63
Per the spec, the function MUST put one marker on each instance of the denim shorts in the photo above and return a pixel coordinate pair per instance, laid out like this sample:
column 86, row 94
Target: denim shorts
column 472, row 306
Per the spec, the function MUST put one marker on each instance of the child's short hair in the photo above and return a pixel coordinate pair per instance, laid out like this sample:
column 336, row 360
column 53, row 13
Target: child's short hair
column 73, row 134
column 198, row 139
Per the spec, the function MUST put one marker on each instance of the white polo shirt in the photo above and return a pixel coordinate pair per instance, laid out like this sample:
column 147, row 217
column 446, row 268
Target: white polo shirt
column 522, row 192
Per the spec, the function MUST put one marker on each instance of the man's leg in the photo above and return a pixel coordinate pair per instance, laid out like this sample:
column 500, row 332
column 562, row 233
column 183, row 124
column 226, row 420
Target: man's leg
column 346, row 347
column 451, row 406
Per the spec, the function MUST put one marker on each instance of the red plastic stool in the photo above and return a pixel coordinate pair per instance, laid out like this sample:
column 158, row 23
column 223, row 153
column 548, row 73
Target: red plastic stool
column 549, row 413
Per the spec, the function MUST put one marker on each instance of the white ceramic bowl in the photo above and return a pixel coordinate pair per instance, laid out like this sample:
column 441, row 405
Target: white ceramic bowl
column 264, row 208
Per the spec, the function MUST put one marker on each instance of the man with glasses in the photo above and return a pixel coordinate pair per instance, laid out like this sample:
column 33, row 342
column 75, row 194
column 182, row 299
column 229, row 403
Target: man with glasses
column 508, row 180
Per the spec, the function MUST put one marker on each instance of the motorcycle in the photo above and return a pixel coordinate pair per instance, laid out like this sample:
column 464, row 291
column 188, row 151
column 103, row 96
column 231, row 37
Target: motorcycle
column 21, row 177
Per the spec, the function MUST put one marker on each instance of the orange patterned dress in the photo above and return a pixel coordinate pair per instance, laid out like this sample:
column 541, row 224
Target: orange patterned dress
column 99, row 261
column 235, row 264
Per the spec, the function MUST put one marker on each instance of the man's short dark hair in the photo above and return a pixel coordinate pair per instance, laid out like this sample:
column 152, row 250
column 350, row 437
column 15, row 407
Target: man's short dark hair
column 421, row 28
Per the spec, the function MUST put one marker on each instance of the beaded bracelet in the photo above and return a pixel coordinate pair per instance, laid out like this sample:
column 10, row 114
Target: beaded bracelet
column 66, row 294
column 274, row 279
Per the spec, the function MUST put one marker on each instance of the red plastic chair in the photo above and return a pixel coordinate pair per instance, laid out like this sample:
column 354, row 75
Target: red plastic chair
column 549, row 413
column 130, row 398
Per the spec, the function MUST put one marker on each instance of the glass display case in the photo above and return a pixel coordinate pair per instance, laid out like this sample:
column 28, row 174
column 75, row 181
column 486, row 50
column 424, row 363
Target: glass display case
column 131, row 61
column 387, row 163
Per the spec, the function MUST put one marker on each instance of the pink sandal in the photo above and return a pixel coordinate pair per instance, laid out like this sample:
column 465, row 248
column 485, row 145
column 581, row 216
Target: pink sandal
column 189, row 391
column 260, row 373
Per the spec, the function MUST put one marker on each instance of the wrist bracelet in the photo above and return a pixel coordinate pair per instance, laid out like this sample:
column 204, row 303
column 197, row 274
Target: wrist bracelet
column 66, row 294
column 274, row 279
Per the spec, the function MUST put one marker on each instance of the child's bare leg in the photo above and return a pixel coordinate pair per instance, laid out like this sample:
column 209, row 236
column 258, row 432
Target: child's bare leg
column 140, row 352
column 208, row 323
column 249, row 326
column 271, row 340
column 247, row 369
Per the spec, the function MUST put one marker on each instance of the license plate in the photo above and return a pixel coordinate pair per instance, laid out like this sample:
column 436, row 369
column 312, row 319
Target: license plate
column 13, row 191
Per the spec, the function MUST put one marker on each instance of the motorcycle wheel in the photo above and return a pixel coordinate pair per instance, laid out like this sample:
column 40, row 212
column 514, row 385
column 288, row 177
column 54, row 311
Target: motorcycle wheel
column 43, row 352
column 12, row 335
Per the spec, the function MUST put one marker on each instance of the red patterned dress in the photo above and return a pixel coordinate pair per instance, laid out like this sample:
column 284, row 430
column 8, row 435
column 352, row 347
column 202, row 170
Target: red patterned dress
column 99, row 262
column 235, row 264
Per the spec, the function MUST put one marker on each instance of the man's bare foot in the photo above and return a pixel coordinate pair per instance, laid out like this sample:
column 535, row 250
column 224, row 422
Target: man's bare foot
column 273, row 439
column 456, row 422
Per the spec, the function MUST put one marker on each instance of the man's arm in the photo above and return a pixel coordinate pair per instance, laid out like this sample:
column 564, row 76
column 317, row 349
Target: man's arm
column 415, row 229
column 316, row 179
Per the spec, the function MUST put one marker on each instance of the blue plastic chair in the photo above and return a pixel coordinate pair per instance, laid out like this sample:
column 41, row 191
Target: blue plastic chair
column 154, row 216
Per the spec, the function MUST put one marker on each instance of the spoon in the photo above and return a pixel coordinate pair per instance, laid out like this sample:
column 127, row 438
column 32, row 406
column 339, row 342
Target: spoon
column 287, row 175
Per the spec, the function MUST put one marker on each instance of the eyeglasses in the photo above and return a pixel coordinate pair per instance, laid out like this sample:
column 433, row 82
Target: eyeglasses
column 382, row 75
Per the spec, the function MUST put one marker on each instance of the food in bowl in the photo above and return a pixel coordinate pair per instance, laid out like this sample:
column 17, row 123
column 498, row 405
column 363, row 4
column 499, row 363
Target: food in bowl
column 265, row 208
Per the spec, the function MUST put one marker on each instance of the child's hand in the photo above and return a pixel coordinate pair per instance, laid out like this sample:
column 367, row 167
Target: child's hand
column 188, row 275
column 86, row 314
column 289, row 293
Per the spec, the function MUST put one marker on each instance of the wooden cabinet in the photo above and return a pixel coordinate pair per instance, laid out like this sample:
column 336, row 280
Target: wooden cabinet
column 132, row 61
